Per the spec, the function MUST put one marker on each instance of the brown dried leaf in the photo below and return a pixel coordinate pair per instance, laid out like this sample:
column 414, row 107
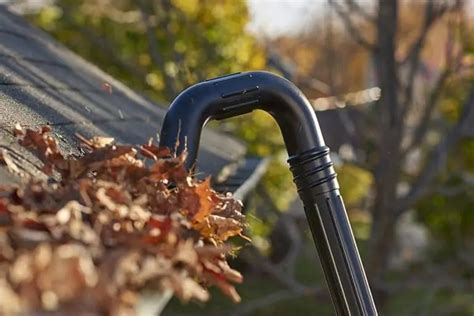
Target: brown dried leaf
column 206, row 204
column 8, row 161
column 111, row 227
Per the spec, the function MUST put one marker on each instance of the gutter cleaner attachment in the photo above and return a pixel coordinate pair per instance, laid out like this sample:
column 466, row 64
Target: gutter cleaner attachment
column 310, row 163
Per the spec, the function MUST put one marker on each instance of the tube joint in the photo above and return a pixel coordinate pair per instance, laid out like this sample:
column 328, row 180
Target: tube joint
column 313, row 171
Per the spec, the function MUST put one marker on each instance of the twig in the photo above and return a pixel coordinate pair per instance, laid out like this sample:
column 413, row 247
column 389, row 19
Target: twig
column 273, row 298
column 425, row 119
column 257, row 260
column 293, row 287
column 356, row 8
column 438, row 156
column 453, row 64
column 107, row 47
column 413, row 56
column 290, row 227
column 350, row 27
column 432, row 14
column 153, row 49
column 451, row 309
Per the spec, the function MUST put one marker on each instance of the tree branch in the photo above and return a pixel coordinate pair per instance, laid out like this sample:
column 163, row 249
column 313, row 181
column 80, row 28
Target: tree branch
column 260, row 262
column 154, row 51
column 166, row 6
column 287, row 224
column 275, row 297
column 293, row 289
column 432, row 14
column 344, row 15
column 355, row 7
column 453, row 63
column 412, row 59
column 106, row 46
column 438, row 157
column 425, row 119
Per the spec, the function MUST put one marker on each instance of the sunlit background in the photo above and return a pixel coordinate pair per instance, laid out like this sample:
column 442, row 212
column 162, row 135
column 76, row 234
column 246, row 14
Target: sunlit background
column 394, row 93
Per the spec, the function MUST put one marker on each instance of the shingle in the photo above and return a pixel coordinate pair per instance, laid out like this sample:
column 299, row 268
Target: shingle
column 41, row 82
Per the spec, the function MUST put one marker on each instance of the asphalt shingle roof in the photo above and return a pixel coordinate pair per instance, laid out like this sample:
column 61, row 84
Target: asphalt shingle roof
column 42, row 82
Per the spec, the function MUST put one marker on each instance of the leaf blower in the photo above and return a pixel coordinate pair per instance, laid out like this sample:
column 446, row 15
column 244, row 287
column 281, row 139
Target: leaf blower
column 309, row 161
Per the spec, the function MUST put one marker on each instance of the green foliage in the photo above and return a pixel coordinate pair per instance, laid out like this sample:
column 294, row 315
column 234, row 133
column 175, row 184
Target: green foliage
column 448, row 213
column 355, row 183
column 263, row 138
column 194, row 39
column 278, row 182
column 449, row 218
column 467, row 154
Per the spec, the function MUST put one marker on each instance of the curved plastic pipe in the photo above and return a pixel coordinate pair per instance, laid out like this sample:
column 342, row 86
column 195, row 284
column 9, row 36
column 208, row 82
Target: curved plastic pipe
column 309, row 161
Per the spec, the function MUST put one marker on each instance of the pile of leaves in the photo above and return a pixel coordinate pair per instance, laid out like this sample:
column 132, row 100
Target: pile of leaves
column 115, row 221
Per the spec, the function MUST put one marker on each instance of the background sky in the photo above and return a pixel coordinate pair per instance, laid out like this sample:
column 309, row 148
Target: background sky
column 276, row 17
column 271, row 18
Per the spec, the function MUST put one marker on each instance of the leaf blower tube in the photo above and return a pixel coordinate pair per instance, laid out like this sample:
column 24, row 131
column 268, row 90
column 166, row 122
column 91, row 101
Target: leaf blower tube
column 309, row 161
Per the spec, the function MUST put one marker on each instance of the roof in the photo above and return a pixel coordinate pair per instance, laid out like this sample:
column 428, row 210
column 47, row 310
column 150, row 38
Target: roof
column 42, row 82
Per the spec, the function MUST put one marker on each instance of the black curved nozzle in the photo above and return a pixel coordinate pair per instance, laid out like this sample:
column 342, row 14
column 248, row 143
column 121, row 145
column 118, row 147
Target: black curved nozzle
column 237, row 94
column 309, row 161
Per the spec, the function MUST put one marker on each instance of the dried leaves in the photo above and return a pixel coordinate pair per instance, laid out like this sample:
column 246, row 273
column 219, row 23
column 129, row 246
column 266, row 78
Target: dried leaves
column 113, row 225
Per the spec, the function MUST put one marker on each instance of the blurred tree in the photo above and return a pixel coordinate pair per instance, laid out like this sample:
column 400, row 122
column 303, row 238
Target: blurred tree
column 405, row 112
column 447, row 210
column 160, row 46
column 419, row 54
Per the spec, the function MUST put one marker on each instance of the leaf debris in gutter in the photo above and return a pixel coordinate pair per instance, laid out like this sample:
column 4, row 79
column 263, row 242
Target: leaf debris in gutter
column 119, row 220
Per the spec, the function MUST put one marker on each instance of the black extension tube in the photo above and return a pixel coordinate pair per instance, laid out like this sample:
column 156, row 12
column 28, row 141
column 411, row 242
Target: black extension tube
column 309, row 161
